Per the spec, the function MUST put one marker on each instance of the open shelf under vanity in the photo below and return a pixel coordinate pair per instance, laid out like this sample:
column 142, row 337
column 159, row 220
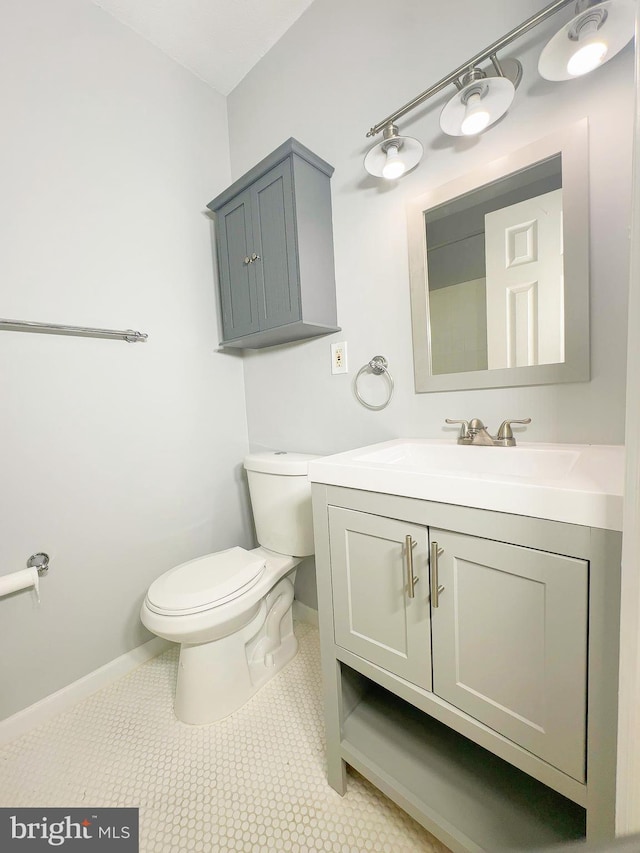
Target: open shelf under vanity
column 472, row 799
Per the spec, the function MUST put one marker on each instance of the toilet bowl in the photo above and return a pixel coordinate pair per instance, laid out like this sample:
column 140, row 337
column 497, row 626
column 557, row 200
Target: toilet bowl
column 231, row 610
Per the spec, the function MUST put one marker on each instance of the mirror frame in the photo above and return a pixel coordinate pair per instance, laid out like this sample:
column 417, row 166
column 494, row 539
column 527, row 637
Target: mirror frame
column 571, row 143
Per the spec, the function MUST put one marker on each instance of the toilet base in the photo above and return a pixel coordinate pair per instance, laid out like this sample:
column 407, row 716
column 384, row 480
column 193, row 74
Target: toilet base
column 218, row 677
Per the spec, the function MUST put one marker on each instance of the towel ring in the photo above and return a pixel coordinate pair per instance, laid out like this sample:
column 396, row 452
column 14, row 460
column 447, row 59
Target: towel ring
column 377, row 366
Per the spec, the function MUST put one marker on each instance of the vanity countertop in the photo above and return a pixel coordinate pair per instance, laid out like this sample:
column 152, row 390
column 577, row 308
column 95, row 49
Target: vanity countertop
column 575, row 483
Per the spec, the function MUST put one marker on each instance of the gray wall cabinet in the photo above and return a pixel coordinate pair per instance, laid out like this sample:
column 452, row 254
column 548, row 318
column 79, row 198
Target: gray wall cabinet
column 274, row 244
column 488, row 712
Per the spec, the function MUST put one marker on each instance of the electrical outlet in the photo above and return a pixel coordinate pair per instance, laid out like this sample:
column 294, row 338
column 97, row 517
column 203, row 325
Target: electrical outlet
column 339, row 357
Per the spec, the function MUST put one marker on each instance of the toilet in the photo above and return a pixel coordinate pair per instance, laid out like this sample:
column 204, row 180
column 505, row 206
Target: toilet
column 231, row 610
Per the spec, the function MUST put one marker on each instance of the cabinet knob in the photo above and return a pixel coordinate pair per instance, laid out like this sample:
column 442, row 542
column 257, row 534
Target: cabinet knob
column 255, row 257
column 247, row 260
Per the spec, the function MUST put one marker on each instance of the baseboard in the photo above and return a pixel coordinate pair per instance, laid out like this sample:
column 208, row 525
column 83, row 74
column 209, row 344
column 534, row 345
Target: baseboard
column 304, row 613
column 49, row 707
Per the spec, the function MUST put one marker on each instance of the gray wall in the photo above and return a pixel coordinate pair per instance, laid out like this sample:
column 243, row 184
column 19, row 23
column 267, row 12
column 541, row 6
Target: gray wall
column 123, row 460
column 344, row 66
column 120, row 460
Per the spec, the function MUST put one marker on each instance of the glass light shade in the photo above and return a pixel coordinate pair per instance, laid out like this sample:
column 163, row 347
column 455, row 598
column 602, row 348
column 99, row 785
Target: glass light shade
column 394, row 157
column 477, row 106
column 588, row 40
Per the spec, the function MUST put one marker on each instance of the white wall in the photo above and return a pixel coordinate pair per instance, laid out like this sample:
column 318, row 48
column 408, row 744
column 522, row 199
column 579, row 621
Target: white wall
column 119, row 460
column 341, row 68
column 628, row 780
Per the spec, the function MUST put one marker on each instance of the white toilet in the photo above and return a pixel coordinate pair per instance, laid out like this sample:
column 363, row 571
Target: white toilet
column 231, row 611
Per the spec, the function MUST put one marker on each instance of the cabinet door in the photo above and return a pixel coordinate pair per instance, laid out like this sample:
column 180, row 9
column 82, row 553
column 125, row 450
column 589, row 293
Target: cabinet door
column 238, row 291
column 374, row 615
column 274, row 239
column 510, row 643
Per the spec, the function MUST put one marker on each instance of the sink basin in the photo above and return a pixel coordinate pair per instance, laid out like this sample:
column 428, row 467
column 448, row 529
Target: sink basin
column 532, row 463
column 576, row 483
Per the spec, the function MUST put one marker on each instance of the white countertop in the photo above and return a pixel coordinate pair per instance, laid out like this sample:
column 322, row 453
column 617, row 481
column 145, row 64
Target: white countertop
column 575, row 483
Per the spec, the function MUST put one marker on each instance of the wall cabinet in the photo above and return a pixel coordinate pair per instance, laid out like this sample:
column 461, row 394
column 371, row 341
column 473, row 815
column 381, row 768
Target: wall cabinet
column 274, row 245
column 487, row 711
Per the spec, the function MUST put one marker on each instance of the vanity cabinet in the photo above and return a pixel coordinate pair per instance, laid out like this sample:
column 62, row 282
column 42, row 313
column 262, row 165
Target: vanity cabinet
column 488, row 711
column 505, row 640
column 510, row 643
column 374, row 616
column 274, row 245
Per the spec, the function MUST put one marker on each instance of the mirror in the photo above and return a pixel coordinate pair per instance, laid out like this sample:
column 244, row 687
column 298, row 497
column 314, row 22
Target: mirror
column 499, row 271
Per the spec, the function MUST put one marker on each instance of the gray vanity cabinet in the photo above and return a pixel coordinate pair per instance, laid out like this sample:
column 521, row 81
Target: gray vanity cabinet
column 487, row 712
column 274, row 245
column 375, row 617
column 505, row 641
column 510, row 643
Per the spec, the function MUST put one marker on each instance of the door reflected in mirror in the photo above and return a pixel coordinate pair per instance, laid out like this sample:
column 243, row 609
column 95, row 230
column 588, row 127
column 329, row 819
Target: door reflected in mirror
column 495, row 273
column 498, row 261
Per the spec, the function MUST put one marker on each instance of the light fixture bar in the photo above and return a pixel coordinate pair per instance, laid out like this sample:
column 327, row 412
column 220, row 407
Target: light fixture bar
column 487, row 53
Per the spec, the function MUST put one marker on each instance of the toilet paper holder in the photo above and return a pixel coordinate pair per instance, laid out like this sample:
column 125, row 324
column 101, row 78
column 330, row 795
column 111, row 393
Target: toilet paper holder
column 39, row 561
column 29, row 578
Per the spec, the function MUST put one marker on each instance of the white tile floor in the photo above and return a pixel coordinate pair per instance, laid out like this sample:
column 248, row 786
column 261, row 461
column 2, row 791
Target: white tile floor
column 253, row 782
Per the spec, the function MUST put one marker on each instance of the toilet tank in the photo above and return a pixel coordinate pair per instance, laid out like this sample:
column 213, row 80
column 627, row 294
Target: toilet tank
column 281, row 501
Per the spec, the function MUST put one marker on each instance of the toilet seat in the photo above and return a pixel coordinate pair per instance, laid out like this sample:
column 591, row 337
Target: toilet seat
column 205, row 582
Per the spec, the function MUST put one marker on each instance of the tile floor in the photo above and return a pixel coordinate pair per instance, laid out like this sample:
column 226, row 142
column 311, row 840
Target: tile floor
column 253, row 782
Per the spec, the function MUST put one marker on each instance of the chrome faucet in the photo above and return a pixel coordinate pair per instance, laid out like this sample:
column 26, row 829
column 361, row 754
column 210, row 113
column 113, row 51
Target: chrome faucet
column 475, row 432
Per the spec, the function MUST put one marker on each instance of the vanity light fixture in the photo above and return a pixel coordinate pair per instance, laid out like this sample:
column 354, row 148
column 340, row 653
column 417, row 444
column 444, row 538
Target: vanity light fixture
column 600, row 29
column 597, row 33
column 394, row 156
column 478, row 104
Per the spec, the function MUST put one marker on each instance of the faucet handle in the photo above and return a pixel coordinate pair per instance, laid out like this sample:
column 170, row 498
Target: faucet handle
column 464, row 429
column 505, row 431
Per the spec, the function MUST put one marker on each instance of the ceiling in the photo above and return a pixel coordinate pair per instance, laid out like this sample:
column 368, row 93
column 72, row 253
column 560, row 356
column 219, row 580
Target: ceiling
column 218, row 40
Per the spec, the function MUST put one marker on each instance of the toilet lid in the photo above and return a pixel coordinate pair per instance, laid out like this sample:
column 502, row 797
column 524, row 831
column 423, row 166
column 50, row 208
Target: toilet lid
column 205, row 582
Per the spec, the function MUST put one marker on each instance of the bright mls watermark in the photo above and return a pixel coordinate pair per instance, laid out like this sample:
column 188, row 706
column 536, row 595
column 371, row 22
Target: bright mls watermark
column 103, row 830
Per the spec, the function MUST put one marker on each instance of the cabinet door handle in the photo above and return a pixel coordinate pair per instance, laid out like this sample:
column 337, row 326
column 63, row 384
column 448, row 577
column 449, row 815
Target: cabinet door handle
column 255, row 257
column 409, row 545
column 247, row 260
column 435, row 588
